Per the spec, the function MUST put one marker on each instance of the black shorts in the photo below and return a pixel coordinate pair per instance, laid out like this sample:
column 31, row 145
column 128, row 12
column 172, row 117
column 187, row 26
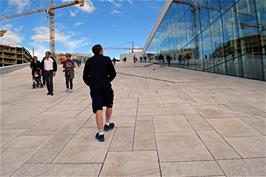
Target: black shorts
column 101, row 97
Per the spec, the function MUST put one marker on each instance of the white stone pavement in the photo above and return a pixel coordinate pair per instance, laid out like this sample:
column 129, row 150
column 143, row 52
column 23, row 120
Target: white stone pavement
column 169, row 122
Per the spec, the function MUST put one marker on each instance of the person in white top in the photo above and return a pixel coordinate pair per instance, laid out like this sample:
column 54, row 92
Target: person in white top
column 49, row 67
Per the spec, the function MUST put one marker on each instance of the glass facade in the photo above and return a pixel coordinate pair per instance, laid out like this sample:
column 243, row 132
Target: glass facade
column 219, row 36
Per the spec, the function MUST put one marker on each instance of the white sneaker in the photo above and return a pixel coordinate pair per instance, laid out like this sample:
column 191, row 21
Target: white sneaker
column 70, row 91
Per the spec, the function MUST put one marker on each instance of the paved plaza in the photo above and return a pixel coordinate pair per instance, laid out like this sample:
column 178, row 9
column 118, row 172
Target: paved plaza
column 169, row 122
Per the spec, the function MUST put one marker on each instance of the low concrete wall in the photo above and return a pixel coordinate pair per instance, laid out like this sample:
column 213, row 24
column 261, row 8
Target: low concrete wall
column 8, row 69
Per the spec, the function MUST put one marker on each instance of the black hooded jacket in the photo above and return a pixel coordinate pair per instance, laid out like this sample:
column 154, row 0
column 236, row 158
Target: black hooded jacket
column 99, row 72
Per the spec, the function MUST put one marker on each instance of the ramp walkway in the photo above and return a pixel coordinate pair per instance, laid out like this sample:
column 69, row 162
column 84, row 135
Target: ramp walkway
column 169, row 122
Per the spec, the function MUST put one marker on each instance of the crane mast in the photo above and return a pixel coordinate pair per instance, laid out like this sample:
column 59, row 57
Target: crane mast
column 52, row 28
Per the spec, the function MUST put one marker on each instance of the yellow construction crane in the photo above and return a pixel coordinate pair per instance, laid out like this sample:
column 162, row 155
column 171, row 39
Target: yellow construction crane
column 50, row 12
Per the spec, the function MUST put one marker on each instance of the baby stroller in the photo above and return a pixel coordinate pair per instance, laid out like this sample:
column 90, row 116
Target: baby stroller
column 36, row 79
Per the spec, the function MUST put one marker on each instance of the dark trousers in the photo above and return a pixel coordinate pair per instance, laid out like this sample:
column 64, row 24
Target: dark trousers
column 48, row 75
column 43, row 78
column 69, row 82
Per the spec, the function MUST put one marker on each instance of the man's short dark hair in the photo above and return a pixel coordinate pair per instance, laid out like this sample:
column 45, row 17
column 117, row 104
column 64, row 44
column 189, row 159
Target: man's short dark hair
column 96, row 49
column 48, row 52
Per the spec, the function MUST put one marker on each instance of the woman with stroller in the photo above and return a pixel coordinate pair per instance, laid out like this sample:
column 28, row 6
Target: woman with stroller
column 35, row 65
column 69, row 66
column 36, row 72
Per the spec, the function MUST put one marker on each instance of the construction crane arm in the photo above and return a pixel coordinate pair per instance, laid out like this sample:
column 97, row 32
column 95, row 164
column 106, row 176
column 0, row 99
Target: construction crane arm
column 81, row 2
column 47, row 10
column 22, row 14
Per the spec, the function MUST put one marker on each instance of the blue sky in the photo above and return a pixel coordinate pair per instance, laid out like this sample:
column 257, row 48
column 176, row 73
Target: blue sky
column 112, row 23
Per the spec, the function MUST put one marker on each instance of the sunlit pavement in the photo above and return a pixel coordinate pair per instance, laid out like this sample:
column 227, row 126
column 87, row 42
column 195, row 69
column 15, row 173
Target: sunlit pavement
column 169, row 122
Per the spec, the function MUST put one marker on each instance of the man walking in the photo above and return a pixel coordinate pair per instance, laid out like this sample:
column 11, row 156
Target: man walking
column 49, row 67
column 98, row 74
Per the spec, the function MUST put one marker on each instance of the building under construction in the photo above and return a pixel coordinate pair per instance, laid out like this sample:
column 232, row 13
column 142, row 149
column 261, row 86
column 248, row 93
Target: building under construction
column 10, row 55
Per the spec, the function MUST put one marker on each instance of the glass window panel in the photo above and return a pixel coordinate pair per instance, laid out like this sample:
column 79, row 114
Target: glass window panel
column 200, row 62
column 218, row 53
column 230, row 35
column 214, row 9
column 249, row 39
column 204, row 13
column 207, row 49
column 231, row 45
column 261, row 12
column 226, row 4
column 189, row 25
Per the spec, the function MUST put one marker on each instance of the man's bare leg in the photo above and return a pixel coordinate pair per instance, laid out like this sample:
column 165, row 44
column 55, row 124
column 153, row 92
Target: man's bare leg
column 108, row 114
column 108, row 125
column 99, row 119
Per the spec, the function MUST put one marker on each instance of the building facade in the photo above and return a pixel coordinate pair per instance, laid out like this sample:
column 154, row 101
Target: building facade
column 220, row 36
column 13, row 55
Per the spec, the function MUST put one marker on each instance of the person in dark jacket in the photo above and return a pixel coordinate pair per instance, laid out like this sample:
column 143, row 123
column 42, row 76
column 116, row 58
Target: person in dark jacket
column 35, row 66
column 98, row 74
column 49, row 68
column 69, row 66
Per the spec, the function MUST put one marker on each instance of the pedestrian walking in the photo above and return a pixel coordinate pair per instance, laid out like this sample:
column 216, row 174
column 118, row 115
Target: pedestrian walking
column 98, row 74
column 114, row 60
column 35, row 65
column 49, row 67
column 168, row 59
column 69, row 66
column 135, row 59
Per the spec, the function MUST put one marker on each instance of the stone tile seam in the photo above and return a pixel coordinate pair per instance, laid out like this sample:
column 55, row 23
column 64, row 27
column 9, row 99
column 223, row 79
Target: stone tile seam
column 245, row 136
column 2, row 145
column 100, row 171
column 213, row 160
column 222, row 137
column 81, row 111
column 25, row 161
column 134, row 134
column 156, row 146
column 207, row 148
column 62, row 163
column 253, row 126
column 81, row 126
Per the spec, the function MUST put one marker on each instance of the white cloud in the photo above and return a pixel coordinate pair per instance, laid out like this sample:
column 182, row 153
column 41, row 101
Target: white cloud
column 78, row 24
column 115, row 3
column 73, row 13
column 19, row 4
column 41, row 35
column 39, row 49
column 13, row 35
column 116, row 12
column 88, row 6
column 118, row 4
column 130, row 2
